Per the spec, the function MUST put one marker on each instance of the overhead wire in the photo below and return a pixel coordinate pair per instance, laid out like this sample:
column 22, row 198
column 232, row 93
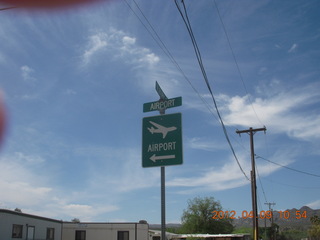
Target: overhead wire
column 289, row 185
column 264, row 194
column 289, row 168
column 155, row 36
column 185, row 18
column 235, row 60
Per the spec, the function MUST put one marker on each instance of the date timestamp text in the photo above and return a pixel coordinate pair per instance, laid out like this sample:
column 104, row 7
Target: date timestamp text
column 262, row 214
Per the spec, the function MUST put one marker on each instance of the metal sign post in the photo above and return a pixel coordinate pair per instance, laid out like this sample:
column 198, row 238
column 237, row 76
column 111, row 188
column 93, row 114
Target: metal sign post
column 162, row 142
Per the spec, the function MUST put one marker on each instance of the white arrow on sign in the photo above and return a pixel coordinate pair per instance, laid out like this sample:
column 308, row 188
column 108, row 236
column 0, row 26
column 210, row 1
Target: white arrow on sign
column 154, row 157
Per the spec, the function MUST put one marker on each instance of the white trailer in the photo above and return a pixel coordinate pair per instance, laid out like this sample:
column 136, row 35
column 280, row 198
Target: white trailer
column 105, row 231
column 16, row 225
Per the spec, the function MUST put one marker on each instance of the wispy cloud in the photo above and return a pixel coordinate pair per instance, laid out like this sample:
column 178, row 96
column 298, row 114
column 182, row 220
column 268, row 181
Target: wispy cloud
column 124, row 172
column 314, row 205
column 27, row 189
column 281, row 111
column 21, row 157
column 2, row 58
column 86, row 212
column 70, row 92
column 119, row 45
column 27, row 73
column 19, row 183
column 229, row 175
column 116, row 46
column 293, row 48
column 213, row 179
column 204, row 144
column 97, row 42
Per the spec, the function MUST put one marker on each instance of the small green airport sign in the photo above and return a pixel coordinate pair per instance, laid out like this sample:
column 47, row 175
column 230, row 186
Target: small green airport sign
column 162, row 140
column 162, row 104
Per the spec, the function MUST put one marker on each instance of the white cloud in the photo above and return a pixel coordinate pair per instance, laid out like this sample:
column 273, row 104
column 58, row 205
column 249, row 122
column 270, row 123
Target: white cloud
column 229, row 176
column 19, row 184
column 124, row 172
column 2, row 58
column 70, row 92
column 128, row 40
column 204, row 144
column 97, row 42
column 282, row 112
column 314, row 205
column 29, row 96
column 58, row 208
column 21, row 157
column 215, row 179
column 262, row 70
column 86, row 212
column 149, row 58
column 293, row 48
column 26, row 73
column 121, row 46
column 30, row 191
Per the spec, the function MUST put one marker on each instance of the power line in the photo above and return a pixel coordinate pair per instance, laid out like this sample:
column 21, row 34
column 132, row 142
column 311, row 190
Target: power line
column 264, row 194
column 153, row 33
column 289, row 185
column 292, row 169
column 185, row 18
column 235, row 59
column 162, row 45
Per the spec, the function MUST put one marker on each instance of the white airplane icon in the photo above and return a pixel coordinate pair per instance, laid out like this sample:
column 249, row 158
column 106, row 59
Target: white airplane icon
column 160, row 129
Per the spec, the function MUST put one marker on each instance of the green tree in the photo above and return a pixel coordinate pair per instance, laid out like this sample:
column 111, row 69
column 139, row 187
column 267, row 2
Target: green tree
column 273, row 231
column 314, row 231
column 197, row 218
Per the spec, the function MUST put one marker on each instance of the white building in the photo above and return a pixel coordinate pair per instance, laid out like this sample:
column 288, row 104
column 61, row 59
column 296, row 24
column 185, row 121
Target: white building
column 16, row 225
column 103, row 231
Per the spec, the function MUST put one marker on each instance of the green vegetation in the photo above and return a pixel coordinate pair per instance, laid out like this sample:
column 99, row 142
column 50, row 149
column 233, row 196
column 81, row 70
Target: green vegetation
column 243, row 230
column 314, row 231
column 265, row 233
column 197, row 218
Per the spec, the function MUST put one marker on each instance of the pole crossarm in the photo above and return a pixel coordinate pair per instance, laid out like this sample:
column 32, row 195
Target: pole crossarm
column 252, row 130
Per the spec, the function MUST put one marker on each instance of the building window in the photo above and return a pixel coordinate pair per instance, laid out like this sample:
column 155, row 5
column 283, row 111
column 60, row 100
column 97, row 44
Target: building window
column 123, row 235
column 80, row 235
column 50, row 234
column 17, row 231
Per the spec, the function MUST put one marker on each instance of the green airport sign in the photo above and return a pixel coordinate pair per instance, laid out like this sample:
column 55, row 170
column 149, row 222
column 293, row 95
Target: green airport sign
column 162, row 140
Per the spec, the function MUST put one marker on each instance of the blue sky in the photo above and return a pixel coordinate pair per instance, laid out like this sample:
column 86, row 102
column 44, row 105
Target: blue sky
column 74, row 82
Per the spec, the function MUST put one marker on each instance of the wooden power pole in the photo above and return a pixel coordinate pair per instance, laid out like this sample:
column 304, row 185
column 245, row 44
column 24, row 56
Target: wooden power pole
column 270, row 209
column 251, row 132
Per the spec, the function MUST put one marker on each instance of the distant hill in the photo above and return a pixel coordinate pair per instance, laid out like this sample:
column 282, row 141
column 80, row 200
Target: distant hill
column 286, row 219
column 168, row 225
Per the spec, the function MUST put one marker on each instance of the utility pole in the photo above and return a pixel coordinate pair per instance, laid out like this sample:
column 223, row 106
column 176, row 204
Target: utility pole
column 270, row 209
column 251, row 132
